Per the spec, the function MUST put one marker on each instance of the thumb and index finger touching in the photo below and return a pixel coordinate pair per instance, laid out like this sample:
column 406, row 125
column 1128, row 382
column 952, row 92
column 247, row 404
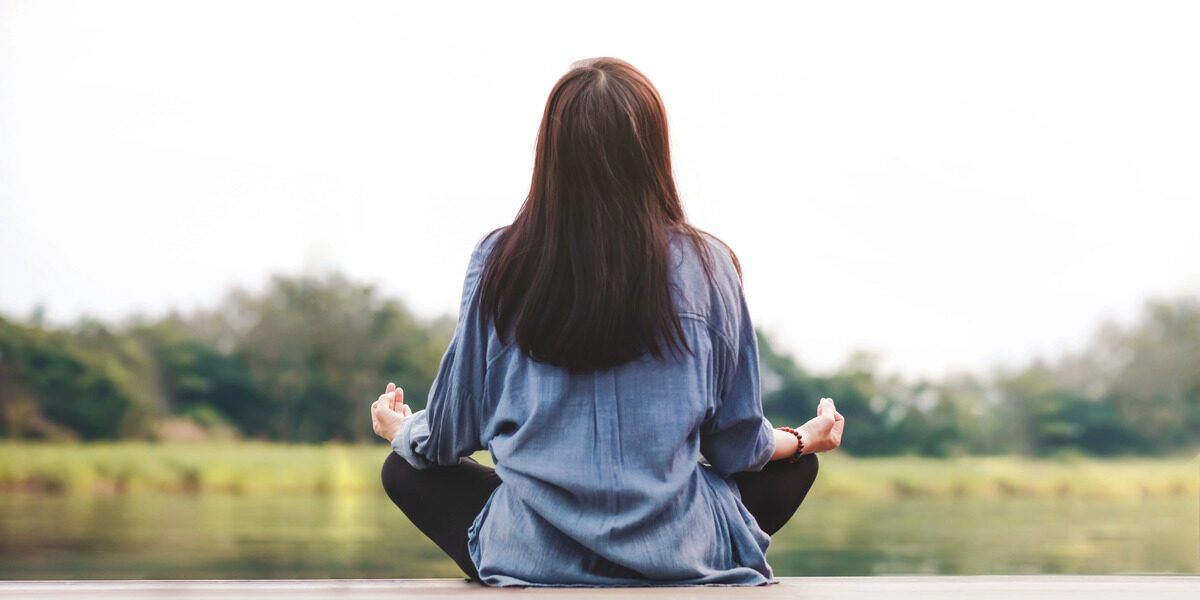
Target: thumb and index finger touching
column 397, row 397
column 837, row 422
column 827, row 409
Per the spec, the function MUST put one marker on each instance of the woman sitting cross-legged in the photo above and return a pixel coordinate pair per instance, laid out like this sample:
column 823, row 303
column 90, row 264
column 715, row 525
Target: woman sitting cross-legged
column 603, row 346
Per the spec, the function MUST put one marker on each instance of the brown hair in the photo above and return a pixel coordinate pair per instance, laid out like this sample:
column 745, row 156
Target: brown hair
column 581, row 275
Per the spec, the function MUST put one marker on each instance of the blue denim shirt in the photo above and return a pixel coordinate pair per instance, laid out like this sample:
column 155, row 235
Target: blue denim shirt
column 602, row 485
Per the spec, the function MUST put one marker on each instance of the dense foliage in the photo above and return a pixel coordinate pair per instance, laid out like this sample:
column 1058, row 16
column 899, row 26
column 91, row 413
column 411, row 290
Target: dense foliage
column 292, row 363
column 301, row 359
column 1133, row 390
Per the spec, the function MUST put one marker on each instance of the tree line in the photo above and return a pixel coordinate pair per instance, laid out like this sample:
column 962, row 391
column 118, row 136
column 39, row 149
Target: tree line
column 300, row 360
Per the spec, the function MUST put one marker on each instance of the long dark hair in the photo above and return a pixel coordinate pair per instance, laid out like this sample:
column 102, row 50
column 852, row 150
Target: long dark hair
column 581, row 275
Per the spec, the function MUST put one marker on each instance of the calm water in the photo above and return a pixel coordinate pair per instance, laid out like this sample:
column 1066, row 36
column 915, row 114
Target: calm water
column 223, row 536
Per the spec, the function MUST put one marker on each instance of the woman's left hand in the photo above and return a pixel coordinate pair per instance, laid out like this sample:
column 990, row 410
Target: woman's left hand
column 388, row 412
column 823, row 433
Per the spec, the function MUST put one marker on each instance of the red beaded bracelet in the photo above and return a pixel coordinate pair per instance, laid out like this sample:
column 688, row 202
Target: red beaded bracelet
column 799, row 443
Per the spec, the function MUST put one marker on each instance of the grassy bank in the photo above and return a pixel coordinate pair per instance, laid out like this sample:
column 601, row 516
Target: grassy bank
column 259, row 467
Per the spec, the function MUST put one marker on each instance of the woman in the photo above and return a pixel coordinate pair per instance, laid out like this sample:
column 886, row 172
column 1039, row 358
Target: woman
column 602, row 345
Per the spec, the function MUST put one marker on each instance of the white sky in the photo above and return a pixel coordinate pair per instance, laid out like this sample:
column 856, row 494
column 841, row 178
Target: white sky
column 952, row 184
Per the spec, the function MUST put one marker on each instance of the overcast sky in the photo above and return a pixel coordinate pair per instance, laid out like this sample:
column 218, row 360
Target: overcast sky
column 954, row 185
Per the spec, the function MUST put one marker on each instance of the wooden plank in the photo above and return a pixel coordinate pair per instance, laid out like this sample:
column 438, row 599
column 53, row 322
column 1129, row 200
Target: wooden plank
column 1049, row 587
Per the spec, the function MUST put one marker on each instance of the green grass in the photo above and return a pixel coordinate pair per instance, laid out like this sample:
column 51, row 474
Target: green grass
column 236, row 467
column 262, row 467
column 1004, row 476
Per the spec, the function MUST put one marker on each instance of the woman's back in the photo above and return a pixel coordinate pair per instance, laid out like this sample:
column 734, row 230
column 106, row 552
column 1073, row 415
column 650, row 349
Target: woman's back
column 601, row 482
column 597, row 442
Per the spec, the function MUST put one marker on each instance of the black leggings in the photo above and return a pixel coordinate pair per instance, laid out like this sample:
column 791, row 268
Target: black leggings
column 443, row 501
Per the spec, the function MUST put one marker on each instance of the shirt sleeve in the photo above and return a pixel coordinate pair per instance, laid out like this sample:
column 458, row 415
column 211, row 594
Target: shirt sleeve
column 450, row 424
column 737, row 437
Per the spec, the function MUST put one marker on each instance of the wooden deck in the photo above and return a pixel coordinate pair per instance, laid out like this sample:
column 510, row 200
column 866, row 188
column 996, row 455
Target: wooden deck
column 1164, row 587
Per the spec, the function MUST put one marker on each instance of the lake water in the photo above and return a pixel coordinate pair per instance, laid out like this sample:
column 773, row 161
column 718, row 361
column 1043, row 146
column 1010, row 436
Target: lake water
column 333, row 536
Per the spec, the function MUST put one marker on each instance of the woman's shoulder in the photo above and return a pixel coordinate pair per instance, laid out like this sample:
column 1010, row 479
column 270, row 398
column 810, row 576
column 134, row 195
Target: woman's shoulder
column 722, row 255
column 707, row 279
column 702, row 254
column 484, row 246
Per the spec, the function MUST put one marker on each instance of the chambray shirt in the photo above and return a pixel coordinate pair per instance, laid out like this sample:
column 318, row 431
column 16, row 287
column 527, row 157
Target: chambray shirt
column 602, row 485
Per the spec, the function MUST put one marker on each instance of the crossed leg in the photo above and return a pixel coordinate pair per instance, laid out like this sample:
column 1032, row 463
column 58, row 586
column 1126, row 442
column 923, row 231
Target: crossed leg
column 773, row 494
column 443, row 501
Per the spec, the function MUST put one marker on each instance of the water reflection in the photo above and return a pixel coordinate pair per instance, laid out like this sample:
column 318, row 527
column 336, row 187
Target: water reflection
column 832, row 536
column 351, row 536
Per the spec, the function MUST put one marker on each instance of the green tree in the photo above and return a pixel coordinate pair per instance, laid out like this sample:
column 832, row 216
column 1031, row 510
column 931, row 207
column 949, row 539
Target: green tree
column 320, row 350
column 87, row 383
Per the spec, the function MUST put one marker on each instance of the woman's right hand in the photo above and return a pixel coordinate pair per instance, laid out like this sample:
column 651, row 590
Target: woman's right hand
column 824, row 432
column 388, row 412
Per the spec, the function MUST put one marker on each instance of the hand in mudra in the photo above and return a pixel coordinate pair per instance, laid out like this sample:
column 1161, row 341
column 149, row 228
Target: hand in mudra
column 823, row 432
column 388, row 412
